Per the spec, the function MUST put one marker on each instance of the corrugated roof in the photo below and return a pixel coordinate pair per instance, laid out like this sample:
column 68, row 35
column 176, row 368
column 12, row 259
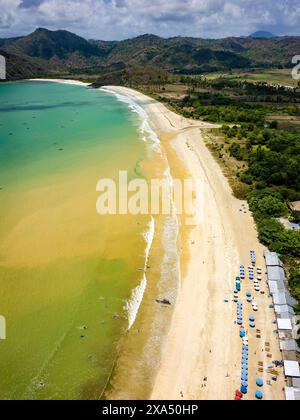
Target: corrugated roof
column 284, row 299
column 281, row 309
column 285, row 315
column 276, row 273
column 272, row 259
column 273, row 287
column 288, row 345
column 296, row 382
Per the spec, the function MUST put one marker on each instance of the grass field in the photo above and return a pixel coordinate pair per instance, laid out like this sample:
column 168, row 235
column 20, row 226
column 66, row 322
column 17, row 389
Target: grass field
column 282, row 77
column 273, row 76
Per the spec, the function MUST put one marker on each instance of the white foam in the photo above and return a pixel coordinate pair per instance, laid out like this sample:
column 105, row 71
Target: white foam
column 133, row 305
column 145, row 128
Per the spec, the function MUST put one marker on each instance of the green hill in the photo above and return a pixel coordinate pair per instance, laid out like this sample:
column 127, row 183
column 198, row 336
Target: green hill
column 62, row 51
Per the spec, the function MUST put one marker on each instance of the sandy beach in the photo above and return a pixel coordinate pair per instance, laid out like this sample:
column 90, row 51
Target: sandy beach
column 202, row 355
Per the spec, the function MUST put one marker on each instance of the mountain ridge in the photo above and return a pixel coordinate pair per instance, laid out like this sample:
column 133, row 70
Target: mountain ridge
column 62, row 51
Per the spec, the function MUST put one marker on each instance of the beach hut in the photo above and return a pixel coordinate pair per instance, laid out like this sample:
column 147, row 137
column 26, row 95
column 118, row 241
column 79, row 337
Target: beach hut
column 259, row 395
column 259, row 382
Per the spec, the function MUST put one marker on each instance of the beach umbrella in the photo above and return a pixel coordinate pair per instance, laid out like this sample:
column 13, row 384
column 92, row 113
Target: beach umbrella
column 244, row 368
column 259, row 395
column 248, row 294
column 245, row 383
column 259, row 382
column 239, row 322
column 244, row 389
column 244, row 377
column 238, row 393
column 252, row 324
column 237, row 398
column 251, row 318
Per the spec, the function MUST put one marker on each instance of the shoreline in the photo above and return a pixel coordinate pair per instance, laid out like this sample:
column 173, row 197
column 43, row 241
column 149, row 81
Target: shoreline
column 200, row 358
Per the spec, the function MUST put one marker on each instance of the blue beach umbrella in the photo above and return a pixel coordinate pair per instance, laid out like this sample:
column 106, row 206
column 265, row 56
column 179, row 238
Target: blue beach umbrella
column 240, row 322
column 244, row 377
column 244, row 389
column 252, row 324
column 251, row 318
column 259, row 395
column 245, row 383
column 259, row 382
column 248, row 294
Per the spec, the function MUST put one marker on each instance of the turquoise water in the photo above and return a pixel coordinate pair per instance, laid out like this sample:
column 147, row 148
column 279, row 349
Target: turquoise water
column 65, row 272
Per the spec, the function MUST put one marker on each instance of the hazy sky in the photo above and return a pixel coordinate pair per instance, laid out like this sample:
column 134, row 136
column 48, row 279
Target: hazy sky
column 119, row 19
